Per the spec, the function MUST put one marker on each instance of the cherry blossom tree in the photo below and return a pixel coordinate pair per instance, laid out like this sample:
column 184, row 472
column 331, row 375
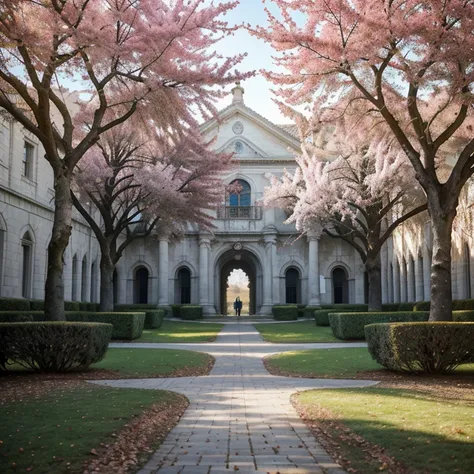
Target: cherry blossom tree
column 127, row 56
column 355, row 190
column 408, row 63
column 140, row 184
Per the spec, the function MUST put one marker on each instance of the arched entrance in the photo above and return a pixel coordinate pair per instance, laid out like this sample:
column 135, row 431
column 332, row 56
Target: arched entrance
column 340, row 286
column 249, row 263
column 292, row 286
column 183, row 288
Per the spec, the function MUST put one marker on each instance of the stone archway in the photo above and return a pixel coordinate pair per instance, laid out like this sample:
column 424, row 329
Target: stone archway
column 250, row 265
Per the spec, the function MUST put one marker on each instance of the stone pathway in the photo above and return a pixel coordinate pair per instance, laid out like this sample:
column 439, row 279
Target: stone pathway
column 240, row 418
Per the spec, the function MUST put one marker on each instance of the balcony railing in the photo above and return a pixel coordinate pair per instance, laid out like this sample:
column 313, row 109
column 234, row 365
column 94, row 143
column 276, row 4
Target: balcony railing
column 253, row 213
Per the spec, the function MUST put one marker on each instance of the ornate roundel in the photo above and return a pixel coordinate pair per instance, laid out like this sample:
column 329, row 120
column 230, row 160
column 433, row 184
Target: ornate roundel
column 238, row 128
column 239, row 147
column 237, row 246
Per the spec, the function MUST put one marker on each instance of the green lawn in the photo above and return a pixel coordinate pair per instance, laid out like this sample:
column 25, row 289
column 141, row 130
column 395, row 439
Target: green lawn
column 55, row 433
column 329, row 363
column 173, row 331
column 304, row 331
column 425, row 433
column 154, row 362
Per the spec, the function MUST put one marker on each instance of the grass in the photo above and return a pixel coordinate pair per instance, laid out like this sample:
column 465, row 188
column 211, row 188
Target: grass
column 425, row 433
column 329, row 363
column 304, row 331
column 172, row 331
column 153, row 362
column 56, row 432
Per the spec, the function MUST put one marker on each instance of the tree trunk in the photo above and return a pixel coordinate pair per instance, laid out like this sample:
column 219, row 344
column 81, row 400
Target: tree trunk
column 107, row 268
column 441, row 291
column 62, row 227
column 373, row 266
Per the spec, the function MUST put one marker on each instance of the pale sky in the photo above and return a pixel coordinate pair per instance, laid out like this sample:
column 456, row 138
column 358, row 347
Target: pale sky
column 238, row 277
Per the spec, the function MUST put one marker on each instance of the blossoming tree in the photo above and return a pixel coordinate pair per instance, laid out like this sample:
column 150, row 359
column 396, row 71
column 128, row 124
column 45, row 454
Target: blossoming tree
column 408, row 63
column 128, row 56
column 356, row 190
column 141, row 183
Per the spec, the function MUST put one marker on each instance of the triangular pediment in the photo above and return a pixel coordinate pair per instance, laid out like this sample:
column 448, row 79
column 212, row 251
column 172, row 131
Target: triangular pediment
column 240, row 124
column 242, row 148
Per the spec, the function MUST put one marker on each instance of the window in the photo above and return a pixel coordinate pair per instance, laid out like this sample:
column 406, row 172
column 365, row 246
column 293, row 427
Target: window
column 340, row 286
column 292, row 284
column 74, row 278
column 27, row 265
column 28, row 154
column 184, row 282
column 141, row 286
column 240, row 201
column 84, row 280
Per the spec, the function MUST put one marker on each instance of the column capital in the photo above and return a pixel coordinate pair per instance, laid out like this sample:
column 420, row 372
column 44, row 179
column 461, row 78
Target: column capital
column 205, row 239
column 313, row 234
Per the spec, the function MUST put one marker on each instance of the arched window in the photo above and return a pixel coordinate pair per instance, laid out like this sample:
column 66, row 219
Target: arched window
column 184, row 282
column 84, row 279
column 74, row 278
column 94, row 282
column 340, row 286
column 141, row 286
column 115, row 286
column 467, row 271
column 292, row 285
column 242, row 198
column 27, row 265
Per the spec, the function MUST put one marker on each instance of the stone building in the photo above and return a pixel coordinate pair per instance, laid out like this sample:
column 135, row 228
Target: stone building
column 281, row 267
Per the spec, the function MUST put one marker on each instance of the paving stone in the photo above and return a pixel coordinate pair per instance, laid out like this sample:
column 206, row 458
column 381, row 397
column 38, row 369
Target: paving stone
column 239, row 407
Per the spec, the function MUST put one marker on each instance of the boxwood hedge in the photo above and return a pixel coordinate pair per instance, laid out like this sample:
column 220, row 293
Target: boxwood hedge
column 422, row 347
column 126, row 325
column 351, row 325
column 53, row 346
column 287, row 312
column 154, row 319
column 20, row 316
column 191, row 312
column 176, row 310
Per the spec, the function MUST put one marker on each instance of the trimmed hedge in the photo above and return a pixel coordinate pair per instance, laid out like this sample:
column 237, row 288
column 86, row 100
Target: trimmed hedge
column 14, row 304
column 345, row 306
column 405, row 306
column 176, row 310
column 351, row 325
column 463, row 316
column 134, row 307
column 126, row 325
column 21, row 316
column 287, row 312
column 53, row 346
column 425, row 347
column 191, row 312
column 308, row 312
column 458, row 305
column 154, row 319
column 391, row 307
column 301, row 308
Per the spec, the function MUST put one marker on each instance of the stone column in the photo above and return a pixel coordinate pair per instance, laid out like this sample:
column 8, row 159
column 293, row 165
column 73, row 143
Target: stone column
column 403, row 281
column 396, row 281
column 270, row 243
column 276, row 276
column 419, row 284
column 163, row 287
column 314, row 297
column 204, row 277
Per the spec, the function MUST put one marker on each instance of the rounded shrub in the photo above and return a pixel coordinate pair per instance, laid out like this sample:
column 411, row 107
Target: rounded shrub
column 53, row 346
column 287, row 312
column 191, row 312
column 427, row 347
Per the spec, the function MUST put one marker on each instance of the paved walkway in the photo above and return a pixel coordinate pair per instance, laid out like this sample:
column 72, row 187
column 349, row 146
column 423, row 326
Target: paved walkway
column 240, row 417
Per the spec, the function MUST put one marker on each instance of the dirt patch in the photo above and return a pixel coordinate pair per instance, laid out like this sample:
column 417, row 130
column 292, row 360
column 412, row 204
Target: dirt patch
column 16, row 386
column 138, row 439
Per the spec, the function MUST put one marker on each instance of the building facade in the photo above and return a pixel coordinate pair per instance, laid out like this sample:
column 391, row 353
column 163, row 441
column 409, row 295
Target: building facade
column 281, row 267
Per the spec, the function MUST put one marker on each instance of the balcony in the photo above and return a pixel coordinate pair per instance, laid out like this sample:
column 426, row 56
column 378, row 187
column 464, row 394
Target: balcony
column 253, row 213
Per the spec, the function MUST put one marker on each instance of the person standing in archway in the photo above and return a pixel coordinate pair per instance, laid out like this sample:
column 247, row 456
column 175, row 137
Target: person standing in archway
column 237, row 306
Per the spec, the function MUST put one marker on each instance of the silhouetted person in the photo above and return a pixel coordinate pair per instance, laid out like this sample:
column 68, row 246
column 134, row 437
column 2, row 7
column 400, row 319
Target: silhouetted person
column 237, row 306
